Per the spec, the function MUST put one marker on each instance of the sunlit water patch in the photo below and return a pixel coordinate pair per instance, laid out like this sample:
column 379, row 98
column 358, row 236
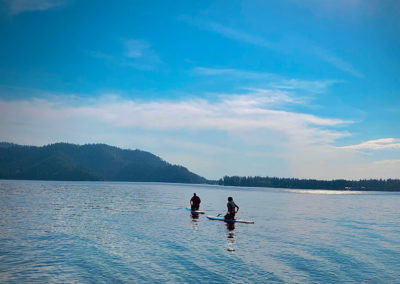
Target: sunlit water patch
column 324, row 191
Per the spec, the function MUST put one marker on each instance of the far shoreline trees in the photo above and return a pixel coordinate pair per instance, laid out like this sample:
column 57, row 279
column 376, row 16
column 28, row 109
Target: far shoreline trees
column 338, row 184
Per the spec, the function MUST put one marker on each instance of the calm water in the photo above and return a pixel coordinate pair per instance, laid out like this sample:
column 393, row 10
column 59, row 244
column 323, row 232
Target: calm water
column 140, row 232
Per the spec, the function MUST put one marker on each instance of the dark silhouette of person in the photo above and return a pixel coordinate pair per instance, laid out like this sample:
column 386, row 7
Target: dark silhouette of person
column 195, row 202
column 231, row 209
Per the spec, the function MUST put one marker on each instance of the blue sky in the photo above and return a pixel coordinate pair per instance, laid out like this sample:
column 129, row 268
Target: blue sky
column 306, row 89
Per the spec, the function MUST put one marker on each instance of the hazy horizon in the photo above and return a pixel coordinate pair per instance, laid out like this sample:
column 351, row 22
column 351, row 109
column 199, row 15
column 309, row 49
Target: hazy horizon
column 304, row 89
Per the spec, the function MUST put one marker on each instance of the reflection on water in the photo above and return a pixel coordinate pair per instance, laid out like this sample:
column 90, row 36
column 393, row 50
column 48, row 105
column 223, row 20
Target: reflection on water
column 195, row 215
column 194, row 220
column 230, row 226
column 230, row 236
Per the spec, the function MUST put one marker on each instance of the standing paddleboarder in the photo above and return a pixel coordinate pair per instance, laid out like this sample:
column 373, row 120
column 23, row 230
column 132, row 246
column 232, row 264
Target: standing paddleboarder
column 195, row 202
column 231, row 209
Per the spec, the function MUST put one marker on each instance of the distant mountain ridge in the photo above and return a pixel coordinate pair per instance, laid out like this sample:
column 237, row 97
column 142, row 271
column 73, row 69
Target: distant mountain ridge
column 89, row 162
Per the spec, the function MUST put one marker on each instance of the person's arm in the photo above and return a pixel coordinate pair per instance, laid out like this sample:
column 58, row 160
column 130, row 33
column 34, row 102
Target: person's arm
column 237, row 208
column 191, row 201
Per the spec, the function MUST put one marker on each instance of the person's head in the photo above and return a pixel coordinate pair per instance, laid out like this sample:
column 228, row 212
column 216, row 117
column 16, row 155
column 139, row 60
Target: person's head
column 194, row 194
column 230, row 198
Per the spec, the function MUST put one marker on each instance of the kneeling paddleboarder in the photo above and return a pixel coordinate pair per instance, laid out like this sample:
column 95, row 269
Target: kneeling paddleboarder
column 231, row 209
column 195, row 202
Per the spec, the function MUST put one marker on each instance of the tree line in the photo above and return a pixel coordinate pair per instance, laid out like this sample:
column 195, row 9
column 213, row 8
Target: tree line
column 337, row 184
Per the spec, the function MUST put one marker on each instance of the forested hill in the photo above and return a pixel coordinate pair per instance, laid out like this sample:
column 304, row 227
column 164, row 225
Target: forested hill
column 338, row 184
column 91, row 162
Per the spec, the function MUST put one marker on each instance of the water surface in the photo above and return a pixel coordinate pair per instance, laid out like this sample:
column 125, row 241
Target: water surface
column 96, row 232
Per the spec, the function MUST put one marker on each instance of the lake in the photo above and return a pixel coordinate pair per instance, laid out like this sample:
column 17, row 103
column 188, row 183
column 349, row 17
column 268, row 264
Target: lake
column 110, row 232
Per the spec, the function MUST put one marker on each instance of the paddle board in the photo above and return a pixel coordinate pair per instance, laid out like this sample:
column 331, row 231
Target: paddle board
column 195, row 211
column 230, row 220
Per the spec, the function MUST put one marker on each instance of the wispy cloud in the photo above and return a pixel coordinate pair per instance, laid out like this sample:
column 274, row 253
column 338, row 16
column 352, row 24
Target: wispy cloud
column 242, row 36
column 344, row 8
column 336, row 61
column 232, row 72
column 228, row 32
column 136, row 48
column 314, row 86
column 377, row 144
column 101, row 55
column 272, row 80
column 20, row 6
column 136, row 53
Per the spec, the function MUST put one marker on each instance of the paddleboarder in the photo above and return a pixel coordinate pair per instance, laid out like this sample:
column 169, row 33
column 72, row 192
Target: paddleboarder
column 231, row 209
column 195, row 202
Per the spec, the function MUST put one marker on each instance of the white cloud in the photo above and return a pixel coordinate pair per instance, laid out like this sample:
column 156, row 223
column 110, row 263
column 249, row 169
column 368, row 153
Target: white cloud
column 377, row 144
column 226, row 129
column 230, row 113
column 375, row 169
column 233, row 134
column 19, row 6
